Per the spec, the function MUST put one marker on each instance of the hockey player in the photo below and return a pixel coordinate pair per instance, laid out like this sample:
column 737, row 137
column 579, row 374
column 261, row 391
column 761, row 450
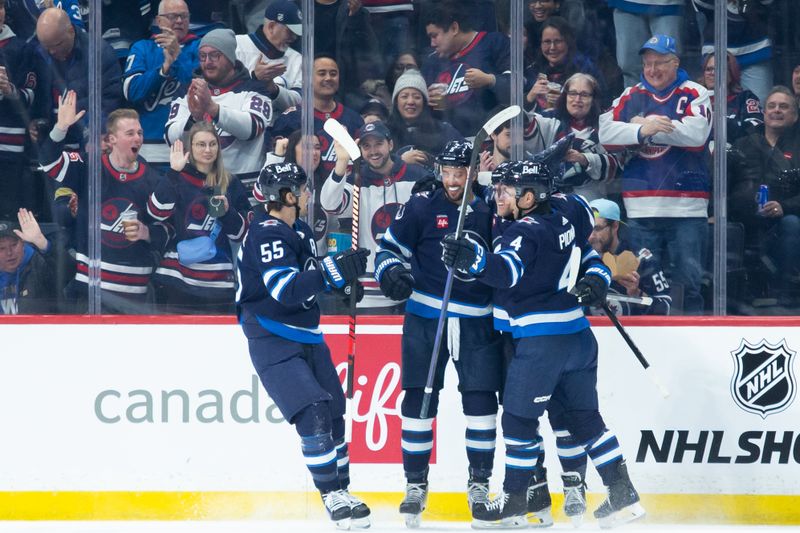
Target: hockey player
column 555, row 358
column 127, row 181
column 471, row 341
column 386, row 184
column 276, row 305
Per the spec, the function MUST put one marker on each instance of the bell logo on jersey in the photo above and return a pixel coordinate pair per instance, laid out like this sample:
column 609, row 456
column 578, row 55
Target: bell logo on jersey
column 442, row 222
column 763, row 381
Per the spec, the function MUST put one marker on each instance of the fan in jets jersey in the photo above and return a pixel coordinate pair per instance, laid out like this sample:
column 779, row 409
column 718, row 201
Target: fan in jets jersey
column 277, row 309
column 227, row 97
column 126, row 264
column 386, row 185
column 554, row 365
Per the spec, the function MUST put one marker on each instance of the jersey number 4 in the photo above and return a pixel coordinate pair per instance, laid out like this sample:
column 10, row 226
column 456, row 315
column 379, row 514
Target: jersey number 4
column 271, row 250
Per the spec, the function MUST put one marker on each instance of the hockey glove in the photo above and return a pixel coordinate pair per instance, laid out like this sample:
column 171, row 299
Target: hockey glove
column 426, row 185
column 463, row 254
column 397, row 282
column 592, row 288
column 344, row 292
column 344, row 267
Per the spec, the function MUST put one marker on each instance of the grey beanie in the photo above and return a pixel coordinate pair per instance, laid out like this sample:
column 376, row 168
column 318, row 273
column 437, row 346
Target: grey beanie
column 223, row 40
column 413, row 79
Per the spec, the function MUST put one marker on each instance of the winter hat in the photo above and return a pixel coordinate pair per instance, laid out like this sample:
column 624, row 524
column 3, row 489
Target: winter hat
column 413, row 79
column 223, row 40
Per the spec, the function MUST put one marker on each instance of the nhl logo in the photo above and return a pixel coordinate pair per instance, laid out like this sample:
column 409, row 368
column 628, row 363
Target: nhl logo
column 763, row 380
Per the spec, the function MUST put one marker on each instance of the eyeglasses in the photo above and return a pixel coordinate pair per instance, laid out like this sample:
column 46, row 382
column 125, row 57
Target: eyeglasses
column 710, row 69
column 598, row 227
column 534, row 2
column 658, row 64
column 555, row 42
column 172, row 17
column 210, row 56
column 582, row 95
column 205, row 146
column 402, row 67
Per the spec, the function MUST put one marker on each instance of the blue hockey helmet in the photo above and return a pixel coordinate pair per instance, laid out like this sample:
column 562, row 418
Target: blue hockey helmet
column 275, row 177
column 503, row 171
column 530, row 175
column 455, row 154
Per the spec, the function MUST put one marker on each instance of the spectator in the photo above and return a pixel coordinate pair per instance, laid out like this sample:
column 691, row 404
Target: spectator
column 62, row 64
column 266, row 53
column 540, row 11
column 744, row 109
column 158, row 71
column 23, row 14
column 27, row 268
column 558, row 59
column 770, row 158
column 16, row 98
column 342, row 30
column 206, row 205
column 468, row 71
column 226, row 96
column 634, row 270
column 326, row 86
column 748, row 40
column 404, row 61
column 635, row 21
column 373, row 111
column 127, row 246
column 391, row 19
column 126, row 21
column 417, row 134
column 500, row 152
column 666, row 120
column 796, row 83
column 386, row 184
column 577, row 110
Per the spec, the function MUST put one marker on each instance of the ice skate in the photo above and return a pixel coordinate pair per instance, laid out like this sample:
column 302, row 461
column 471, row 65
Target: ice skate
column 414, row 503
column 574, row 497
column 337, row 504
column 539, row 502
column 505, row 511
column 359, row 511
column 477, row 493
column 622, row 504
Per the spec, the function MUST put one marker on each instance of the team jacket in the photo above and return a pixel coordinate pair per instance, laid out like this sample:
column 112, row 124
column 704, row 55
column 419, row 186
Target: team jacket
column 14, row 109
column 152, row 94
column 244, row 115
column 415, row 237
column 289, row 121
column 532, row 259
column 467, row 109
column 181, row 197
column 253, row 47
column 745, row 115
column 380, row 198
column 667, row 176
column 748, row 38
column 126, row 266
column 279, row 279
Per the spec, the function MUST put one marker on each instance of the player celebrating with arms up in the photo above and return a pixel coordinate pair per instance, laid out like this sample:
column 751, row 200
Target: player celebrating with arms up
column 276, row 305
column 555, row 359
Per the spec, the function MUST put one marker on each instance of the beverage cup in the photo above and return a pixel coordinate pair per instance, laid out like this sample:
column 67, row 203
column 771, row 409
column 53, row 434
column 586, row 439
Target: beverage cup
column 128, row 218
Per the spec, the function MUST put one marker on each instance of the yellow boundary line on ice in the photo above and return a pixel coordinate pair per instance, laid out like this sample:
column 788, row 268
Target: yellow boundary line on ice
column 661, row 508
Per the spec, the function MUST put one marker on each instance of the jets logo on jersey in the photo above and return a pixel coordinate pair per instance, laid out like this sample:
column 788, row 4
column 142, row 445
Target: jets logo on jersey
column 382, row 218
column 442, row 222
column 197, row 221
column 763, row 380
column 457, row 90
column 111, row 223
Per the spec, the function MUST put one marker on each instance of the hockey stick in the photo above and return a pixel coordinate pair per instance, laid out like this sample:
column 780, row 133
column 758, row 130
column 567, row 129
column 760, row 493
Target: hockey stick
column 635, row 349
column 333, row 128
column 638, row 300
column 489, row 127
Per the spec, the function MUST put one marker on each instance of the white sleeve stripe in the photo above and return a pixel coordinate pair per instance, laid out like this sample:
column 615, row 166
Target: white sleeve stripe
column 393, row 240
column 271, row 274
column 127, row 82
column 280, row 284
column 161, row 206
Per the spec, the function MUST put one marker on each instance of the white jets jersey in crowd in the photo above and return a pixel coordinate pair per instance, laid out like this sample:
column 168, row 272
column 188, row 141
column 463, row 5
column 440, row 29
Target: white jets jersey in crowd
column 250, row 50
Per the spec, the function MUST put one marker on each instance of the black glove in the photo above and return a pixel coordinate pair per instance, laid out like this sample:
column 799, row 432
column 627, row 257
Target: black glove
column 397, row 282
column 345, row 292
column 463, row 254
column 344, row 267
column 426, row 185
column 591, row 290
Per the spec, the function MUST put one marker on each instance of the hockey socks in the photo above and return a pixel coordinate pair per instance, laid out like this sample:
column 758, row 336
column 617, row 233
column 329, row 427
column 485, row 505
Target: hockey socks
column 571, row 454
column 417, row 445
column 320, row 456
column 480, row 438
column 606, row 456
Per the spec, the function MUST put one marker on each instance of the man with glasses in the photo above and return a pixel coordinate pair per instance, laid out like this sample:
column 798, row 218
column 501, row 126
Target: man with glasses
column 268, row 55
column 634, row 270
column 230, row 99
column 664, row 122
column 159, row 70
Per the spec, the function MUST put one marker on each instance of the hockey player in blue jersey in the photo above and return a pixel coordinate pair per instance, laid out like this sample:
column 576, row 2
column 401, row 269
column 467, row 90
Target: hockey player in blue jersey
column 555, row 358
column 277, row 309
column 408, row 266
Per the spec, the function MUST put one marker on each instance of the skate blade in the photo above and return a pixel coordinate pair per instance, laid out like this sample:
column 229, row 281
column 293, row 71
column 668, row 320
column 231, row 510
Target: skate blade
column 360, row 523
column 577, row 520
column 413, row 521
column 343, row 525
column 541, row 518
column 513, row 522
column 627, row 514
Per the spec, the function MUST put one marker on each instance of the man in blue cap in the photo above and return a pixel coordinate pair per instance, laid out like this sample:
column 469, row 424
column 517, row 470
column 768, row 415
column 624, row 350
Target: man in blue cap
column 664, row 121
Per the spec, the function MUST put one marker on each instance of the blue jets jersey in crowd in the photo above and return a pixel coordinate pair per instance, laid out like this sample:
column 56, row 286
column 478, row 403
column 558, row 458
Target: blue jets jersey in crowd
column 152, row 94
column 289, row 121
column 279, row 279
column 533, row 262
column 667, row 175
column 181, row 197
column 467, row 109
column 414, row 237
column 126, row 265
